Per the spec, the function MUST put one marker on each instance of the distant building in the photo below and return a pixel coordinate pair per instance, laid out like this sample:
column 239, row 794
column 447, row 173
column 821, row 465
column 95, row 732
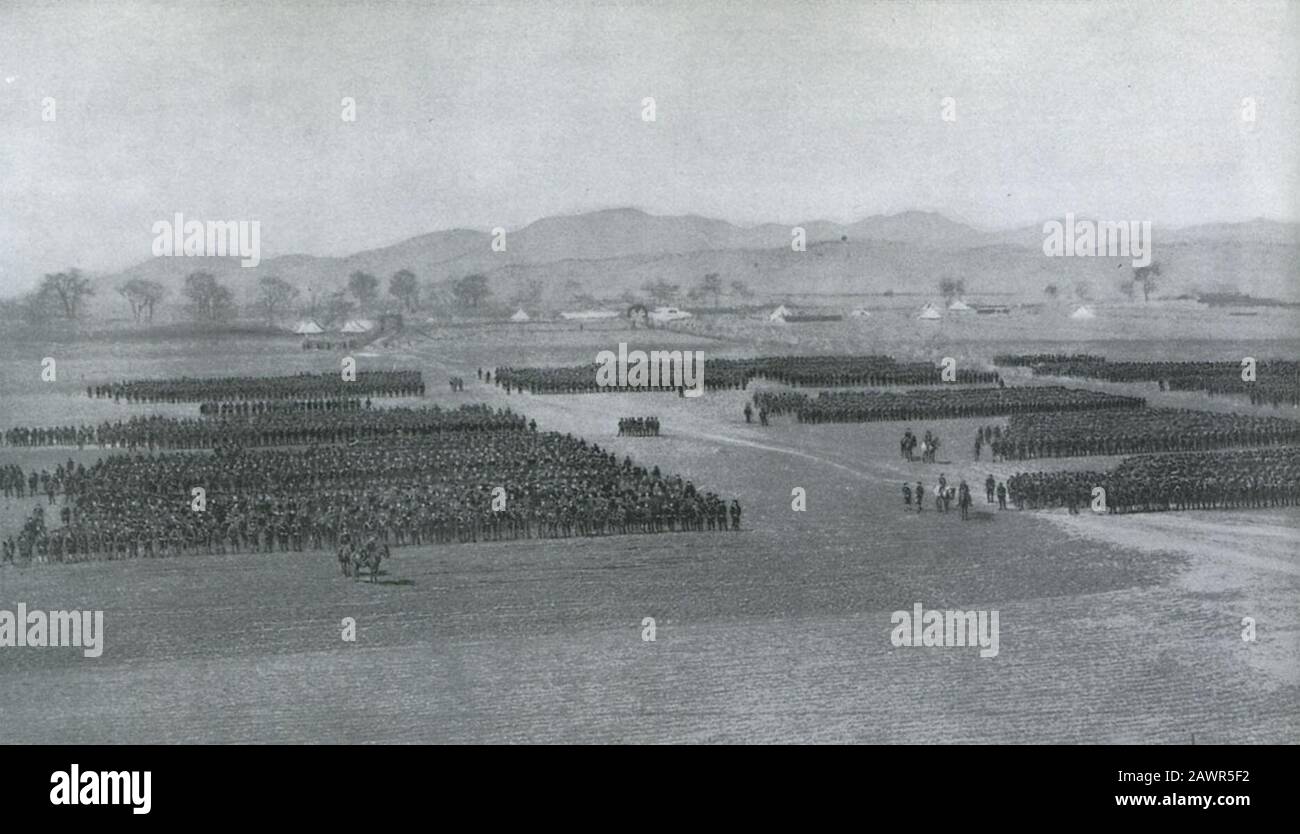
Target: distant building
column 861, row 313
column 307, row 327
column 959, row 306
column 520, row 315
column 779, row 315
column 929, row 313
column 1083, row 313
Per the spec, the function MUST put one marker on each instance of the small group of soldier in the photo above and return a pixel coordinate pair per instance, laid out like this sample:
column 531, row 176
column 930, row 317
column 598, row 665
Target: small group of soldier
column 638, row 427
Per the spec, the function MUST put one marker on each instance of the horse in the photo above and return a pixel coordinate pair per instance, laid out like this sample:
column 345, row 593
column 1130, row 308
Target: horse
column 370, row 555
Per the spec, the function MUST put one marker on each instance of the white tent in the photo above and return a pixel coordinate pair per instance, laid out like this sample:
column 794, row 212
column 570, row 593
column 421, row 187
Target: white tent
column 861, row 313
column 779, row 314
column 520, row 315
column 307, row 327
column 959, row 306
column 1083, row 313
column 358, row 326
column 929, row 313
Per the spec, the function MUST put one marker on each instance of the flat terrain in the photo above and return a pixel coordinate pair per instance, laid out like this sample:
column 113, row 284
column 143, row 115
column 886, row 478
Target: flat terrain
column 1112, row 628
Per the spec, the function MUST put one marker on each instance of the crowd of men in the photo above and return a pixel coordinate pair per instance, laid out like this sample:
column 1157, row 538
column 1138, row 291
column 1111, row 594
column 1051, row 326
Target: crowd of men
column 736, row 374
column 1252, row 478
column 638, row 427
column 936, row 403
column 465, row 483
column 245, row 407
column 301, row 386
column 1028, row 360
column 1130, row 432
column 1274, row 382
column 271, row 427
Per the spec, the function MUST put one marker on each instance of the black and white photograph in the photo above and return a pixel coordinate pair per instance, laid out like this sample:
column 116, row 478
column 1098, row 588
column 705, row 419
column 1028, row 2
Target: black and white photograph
column 650, row 373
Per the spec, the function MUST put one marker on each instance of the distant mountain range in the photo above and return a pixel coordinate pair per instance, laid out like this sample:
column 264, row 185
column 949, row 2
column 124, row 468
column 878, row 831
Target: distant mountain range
column 608, row 254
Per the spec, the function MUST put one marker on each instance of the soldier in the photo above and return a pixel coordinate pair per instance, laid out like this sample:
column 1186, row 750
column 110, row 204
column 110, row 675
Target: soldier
column 920, row 497
column 1002, row 496
column 907, row 497
column 989, row 486
column 749, row 413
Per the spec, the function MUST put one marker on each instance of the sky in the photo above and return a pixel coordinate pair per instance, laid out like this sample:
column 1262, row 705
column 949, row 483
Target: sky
column 473, row 115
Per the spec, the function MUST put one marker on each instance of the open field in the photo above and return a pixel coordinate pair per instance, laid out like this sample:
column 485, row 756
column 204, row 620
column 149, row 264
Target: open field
column 1113, row 628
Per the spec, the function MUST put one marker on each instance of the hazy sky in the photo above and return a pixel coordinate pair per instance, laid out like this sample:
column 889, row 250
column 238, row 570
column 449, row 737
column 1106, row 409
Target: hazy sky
column 476, row 115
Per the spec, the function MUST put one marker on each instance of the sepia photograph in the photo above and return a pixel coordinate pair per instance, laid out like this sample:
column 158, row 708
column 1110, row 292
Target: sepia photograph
column 621, row 373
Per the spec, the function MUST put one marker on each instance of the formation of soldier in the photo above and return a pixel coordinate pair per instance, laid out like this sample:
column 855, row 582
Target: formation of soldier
column 457, row 383
column 736, row 374
column 1275, row 382
column 1247, row 478
column 1130, row 432
column 462, row 484
column 936, row 403
column 294, row 387
column 638, row 427
column 271, row 427
column 262, row 407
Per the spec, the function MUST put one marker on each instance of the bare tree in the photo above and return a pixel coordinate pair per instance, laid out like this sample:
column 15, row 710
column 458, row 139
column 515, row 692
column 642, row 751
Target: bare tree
column 274, row 297
column 405, row 288
column 364, row 288
column 660, row 291
column 1145, row 276
column 209, row 301
column 712, row 285
column 472, row 290
column 70, row 288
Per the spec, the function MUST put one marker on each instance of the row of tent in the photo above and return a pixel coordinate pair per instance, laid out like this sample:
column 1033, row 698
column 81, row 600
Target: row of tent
column 928, row 313
column 307, row 327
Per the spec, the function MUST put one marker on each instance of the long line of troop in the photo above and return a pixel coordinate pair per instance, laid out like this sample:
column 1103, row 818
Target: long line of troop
column 466, row 486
